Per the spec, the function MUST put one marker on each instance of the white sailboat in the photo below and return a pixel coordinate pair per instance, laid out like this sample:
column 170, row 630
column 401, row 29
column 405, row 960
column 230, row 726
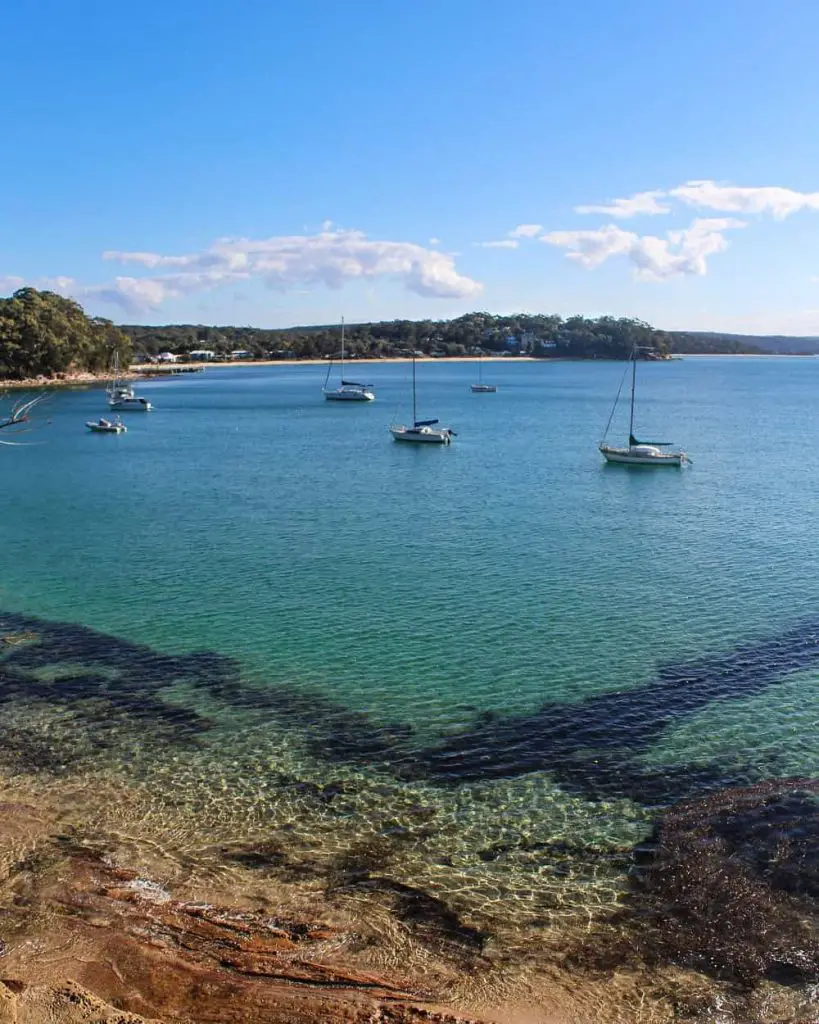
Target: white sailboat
column 121, row 395
column 421, row 431
column 638, row 453
column 480, row 387
column 349, row 391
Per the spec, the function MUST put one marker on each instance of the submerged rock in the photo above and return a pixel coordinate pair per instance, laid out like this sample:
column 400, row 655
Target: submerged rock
column 726, row 886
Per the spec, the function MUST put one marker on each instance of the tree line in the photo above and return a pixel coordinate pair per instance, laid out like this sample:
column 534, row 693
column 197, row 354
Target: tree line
column 43, row 334
column 539, row 335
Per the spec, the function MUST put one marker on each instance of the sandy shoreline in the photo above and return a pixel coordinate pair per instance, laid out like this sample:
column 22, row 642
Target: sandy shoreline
column 146, row 370
column 139, row 371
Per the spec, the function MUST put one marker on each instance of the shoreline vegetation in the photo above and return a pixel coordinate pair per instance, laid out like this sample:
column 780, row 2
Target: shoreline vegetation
column 47, row 340
column 145, row 371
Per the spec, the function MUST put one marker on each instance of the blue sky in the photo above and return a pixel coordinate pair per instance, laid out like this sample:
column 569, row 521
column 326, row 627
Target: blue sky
column 273, row 163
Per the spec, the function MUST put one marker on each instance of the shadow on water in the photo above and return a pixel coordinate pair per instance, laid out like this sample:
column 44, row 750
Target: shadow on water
column 591, row 746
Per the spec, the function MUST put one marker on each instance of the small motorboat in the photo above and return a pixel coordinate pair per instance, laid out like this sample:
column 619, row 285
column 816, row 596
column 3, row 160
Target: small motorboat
column 103, row 426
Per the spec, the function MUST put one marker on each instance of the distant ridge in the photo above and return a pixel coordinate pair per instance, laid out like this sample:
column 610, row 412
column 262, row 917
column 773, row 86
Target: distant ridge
column 715, row 341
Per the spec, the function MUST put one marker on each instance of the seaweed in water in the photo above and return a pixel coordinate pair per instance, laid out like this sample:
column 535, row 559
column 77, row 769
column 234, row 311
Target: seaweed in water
column 725, row 886
column 590, row 745
column 101, row 677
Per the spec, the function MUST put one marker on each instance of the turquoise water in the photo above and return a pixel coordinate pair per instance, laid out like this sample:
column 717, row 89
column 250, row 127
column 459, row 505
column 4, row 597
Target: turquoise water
column 507, row 629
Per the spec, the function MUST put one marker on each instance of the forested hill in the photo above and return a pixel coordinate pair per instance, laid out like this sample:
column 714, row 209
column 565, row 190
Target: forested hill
column 523, row 334
column 43, row 334
column 542, row 335
column 708, row 341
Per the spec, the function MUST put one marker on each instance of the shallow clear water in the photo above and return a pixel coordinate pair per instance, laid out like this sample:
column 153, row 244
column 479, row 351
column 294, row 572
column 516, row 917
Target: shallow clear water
column 506, row 632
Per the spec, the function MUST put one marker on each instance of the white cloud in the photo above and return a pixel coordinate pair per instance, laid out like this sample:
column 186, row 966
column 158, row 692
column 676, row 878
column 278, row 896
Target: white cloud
column 11, row 282
column 591, row 248
column 526, row 231
column 435, row 241
column 332, row 258
column 641, row 203
column 137, row 293
column 779, row 202
column 653, row 258
column 501, row 243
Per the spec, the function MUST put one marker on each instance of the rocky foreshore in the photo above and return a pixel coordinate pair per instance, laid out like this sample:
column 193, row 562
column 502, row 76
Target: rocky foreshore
column 61, row 380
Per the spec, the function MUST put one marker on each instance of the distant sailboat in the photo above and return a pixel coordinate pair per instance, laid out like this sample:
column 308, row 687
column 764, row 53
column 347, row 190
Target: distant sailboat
column 349, row 391
column 121, row 396
column 421, row 431
column 480, row 387
column 638, row 453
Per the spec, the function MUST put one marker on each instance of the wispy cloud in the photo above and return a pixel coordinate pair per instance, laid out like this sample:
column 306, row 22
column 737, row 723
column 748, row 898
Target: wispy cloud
column 653, row 258
column 641, row 203
column 500, row 243
column 711, row 195
column 526, row 231
column 770, row 199
column 11, row 282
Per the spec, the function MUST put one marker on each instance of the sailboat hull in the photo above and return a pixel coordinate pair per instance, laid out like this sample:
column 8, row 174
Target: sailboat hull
column 484, row 389
column 630, row 457
column 349, row 395
column 131, row 404
column 422, row 435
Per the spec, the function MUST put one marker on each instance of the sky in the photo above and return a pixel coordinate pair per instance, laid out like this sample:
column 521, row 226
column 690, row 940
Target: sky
column 291, row 162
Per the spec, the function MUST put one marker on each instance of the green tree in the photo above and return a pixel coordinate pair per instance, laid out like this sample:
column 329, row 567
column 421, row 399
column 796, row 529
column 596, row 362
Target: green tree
column 43, row 334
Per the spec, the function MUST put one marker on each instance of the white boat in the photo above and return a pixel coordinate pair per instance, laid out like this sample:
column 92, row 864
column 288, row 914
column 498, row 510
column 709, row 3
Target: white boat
column 131, row 403
column 349, row 390
column 481, row 388
column 638, row 453
column 103, row 426
column 421, row 431
column 121, row 396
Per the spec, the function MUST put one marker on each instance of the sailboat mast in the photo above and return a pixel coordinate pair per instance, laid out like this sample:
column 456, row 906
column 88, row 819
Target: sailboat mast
column 633, row 385
column 414, row 413
column 342, row 350
column 480, row 366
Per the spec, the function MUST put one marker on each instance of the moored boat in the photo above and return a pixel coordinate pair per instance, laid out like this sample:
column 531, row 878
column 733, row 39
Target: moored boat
column 103, row 426
column 121, row 396
column 349, row 390
column 638, row 453
column 421, row 431
column 480, row 388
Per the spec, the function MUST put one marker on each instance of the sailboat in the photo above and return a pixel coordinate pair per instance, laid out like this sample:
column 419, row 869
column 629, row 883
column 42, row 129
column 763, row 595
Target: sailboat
column 349, row 391
column 480, row 387
column 421, row 431
column 638, row 453
column 121, row 395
